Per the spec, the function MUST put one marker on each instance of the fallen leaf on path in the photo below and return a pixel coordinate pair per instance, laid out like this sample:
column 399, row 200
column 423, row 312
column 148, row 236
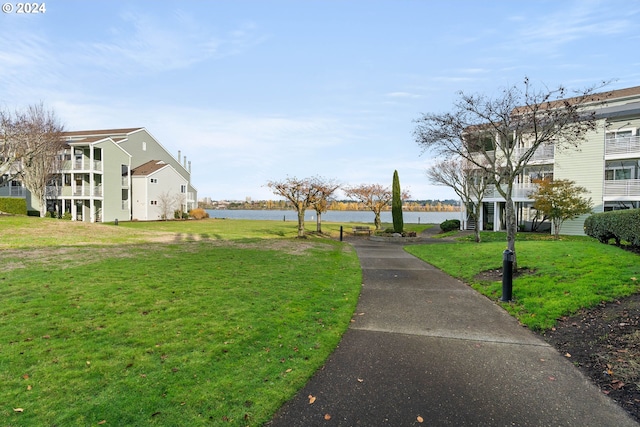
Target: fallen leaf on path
column 420, row 419
column 327, row 417
column 617, row 384
column 567, row 355
column 360, row 380
column 311, row 399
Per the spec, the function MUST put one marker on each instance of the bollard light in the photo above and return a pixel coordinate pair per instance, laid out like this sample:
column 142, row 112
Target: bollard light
column 507, row 275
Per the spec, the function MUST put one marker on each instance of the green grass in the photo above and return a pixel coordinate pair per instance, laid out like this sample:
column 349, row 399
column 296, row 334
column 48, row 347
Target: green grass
column 175, row 323
column 569, row 274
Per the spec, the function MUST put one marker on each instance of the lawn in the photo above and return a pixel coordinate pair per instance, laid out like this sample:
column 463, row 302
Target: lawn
column 560, row 277
column 165, row 323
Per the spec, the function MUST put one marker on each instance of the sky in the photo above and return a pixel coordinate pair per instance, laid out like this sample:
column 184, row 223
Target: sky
column 258, row 91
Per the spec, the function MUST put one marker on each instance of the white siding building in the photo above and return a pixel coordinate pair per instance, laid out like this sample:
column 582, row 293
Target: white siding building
column 94, row 183
column 607, row 164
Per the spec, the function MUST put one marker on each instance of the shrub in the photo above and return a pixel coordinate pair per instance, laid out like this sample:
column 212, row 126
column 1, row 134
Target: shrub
column 13, row 205
column 450, row 225
column 619, row 225
column 198, row 213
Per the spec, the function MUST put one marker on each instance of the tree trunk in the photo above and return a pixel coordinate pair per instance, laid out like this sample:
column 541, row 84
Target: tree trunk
column 377, row 221
column 474, row 216
column 300, row 222
column 319, row 223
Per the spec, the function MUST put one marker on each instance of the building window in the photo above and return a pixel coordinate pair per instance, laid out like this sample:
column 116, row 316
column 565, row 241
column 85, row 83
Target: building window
column 144, row 145
column 619, row 134
column 154, row 181
column 183, row 188
column 619, row 170
column 154, row 202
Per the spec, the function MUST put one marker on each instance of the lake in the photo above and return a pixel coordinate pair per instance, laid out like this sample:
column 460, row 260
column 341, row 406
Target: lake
column 333, row 216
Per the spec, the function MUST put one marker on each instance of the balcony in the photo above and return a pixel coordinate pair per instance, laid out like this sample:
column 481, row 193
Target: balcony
column 12, row 191
column 75, row 191
column 82, row 165
column 520, row 191
column 622, row 189
column 622, row 147
column 544, row 153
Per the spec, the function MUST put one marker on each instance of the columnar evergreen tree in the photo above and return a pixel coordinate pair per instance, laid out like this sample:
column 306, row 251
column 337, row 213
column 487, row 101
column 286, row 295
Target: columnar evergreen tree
column 396, row 204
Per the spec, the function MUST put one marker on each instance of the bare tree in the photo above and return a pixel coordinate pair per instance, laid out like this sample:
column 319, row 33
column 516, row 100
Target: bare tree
column 38, row 141
column 468, row 182
column 166, row 203
column 501, row 135
column 8, row 150
column 180, row 201
column 325, row 188
column 300, row 192
column 374, row 197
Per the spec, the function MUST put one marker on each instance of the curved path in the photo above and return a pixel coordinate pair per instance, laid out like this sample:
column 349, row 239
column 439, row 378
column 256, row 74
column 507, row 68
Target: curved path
column 425, row 349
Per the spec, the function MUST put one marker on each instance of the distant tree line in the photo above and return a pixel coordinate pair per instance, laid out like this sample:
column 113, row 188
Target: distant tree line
column 449, row 205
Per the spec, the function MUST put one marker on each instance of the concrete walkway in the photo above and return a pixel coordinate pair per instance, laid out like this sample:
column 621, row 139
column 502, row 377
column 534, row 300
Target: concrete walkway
column 425, row 349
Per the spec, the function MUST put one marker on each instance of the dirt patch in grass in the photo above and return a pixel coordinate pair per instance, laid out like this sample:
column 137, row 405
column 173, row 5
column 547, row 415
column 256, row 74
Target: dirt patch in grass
column 73, row 256
column 495, row 275
column 604, row 343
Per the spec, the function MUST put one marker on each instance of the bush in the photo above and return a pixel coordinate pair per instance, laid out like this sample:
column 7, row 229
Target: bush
column 618, row 225
column 13, row 205
column 450, row 225
column 198, row 213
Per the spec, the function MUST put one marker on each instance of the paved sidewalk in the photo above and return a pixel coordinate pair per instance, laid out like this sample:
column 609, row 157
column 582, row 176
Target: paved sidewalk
column 425, row 349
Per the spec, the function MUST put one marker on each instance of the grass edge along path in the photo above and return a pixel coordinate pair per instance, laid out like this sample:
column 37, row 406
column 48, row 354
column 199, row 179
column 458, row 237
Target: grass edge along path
column 560, row 277
column 186, row 332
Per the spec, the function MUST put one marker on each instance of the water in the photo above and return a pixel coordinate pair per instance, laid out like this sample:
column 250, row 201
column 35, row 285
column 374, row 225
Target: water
column 334, row 216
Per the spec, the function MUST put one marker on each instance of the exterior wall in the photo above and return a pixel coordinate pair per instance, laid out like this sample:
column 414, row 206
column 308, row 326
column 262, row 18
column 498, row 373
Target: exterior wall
column 143, row 148
column 585, row 166
column 167, row 185
column 113, row 157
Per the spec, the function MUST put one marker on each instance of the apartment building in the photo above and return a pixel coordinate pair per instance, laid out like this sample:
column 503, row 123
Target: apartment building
column 95, row 181
column 607, row 164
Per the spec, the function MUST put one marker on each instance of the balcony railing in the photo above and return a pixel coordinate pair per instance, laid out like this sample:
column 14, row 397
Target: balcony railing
column 622, row 146
column 12, row 191
column 82, row 165
column 520, row 191
column 78, row 190
column 622, row 188
column 542, row 153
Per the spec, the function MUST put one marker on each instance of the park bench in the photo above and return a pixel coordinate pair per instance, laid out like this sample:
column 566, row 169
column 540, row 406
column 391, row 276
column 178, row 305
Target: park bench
column 361, row 229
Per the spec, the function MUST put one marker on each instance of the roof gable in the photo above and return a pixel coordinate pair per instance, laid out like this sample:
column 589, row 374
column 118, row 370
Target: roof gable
column 148, row 168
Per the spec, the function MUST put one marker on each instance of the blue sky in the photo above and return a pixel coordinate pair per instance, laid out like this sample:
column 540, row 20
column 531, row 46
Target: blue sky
column 252, row 91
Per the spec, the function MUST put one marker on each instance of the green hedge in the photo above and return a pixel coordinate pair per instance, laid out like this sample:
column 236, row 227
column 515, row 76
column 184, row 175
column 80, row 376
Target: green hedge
column 450, row 225
column 13, row 205
column 623, row 225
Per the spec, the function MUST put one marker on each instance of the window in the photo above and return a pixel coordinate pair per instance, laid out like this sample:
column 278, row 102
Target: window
column 154, row 181
column 623, row 133
column 618, row 170
column 183, row 188
column 144, row 145
column 154, row 202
